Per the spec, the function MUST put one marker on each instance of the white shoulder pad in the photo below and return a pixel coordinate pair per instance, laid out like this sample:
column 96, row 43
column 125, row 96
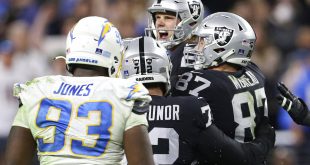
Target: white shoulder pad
column 140, row 95
column 18, row 88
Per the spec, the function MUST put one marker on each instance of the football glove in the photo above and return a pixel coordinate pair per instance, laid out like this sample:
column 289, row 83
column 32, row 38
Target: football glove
column 295, row 107
column 265, row 130
column 264, row 141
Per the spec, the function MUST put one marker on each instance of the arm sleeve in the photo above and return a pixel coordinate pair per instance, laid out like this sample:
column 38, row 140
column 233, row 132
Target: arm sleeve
column 304, row 114
column 217, row 148
column 20, row 118
column 306, row 121
column 135, row 120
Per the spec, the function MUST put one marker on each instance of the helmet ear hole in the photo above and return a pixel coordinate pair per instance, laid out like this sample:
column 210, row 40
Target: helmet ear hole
column 240, row 27
column 219, row 50
column 193, row 23
column 112, row 70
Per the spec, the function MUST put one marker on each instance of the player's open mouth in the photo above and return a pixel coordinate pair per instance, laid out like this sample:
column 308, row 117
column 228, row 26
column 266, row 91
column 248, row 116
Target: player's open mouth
column 163, row 35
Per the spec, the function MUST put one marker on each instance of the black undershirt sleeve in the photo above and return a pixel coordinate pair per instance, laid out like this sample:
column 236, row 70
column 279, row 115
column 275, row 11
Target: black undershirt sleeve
column 217, row 148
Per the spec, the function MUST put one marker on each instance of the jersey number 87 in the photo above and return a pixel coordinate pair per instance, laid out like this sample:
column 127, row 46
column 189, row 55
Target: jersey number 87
column 246, row 124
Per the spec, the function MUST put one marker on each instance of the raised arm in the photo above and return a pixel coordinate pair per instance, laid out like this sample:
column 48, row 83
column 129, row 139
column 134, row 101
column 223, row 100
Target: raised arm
column 295, row 106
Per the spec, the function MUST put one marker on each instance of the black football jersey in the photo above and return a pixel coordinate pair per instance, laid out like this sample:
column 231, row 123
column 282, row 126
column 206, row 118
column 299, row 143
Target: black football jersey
column 174, row 127
column 237, row 100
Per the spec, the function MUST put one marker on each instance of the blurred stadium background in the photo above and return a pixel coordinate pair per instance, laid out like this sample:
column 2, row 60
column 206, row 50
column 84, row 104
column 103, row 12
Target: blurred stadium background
column 32, row 33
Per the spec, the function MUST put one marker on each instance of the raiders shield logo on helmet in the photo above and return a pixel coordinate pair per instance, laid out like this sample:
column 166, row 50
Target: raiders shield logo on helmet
column 223, row 35
column 195, row 9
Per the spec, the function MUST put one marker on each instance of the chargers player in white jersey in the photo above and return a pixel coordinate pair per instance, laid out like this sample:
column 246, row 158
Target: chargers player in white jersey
column 90, row 118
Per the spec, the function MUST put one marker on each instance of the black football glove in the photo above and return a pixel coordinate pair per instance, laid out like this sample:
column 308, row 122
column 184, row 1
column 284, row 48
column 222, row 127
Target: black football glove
column 266, row 131
column 263, row 143
column 295, row 107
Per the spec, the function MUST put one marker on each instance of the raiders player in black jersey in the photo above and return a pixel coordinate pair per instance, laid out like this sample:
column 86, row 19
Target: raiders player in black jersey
column 180, row 128
column 232, row 85
column 171, row 23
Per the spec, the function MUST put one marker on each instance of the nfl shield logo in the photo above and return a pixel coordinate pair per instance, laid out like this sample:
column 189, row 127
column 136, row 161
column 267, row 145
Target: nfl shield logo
column 223, row 35
column 126, row 73
column 195, row 9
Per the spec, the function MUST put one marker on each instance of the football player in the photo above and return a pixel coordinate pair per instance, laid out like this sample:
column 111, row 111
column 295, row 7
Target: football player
column 180, row 128
column 233, row 86
column 296, row 107
column 90, row 118
column 171, row 23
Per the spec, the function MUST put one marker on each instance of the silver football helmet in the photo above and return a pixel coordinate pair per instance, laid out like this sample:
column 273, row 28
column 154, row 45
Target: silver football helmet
column 221, row 37
column 146, row 61
column 189, row 12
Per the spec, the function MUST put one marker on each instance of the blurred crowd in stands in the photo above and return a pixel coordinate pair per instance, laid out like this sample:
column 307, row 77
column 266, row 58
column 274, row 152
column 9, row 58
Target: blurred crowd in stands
column 32, row 33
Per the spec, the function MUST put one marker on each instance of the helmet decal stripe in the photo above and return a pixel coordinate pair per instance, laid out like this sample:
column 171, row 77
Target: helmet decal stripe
column 105, row 29
column 71, row 34
column 142, row 55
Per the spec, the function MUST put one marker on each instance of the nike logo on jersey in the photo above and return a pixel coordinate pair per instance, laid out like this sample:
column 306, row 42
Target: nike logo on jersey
column 168, row 112
column 244, row 81
column 73, row 90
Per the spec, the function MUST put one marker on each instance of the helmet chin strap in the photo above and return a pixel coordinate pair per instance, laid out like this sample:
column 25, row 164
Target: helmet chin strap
column 120, row 66
column 63, row 58
column 171, row 43
column 168, row 85
column 223, row 58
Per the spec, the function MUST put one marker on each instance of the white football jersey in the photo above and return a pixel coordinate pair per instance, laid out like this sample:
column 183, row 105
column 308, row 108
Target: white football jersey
column 80, row 120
